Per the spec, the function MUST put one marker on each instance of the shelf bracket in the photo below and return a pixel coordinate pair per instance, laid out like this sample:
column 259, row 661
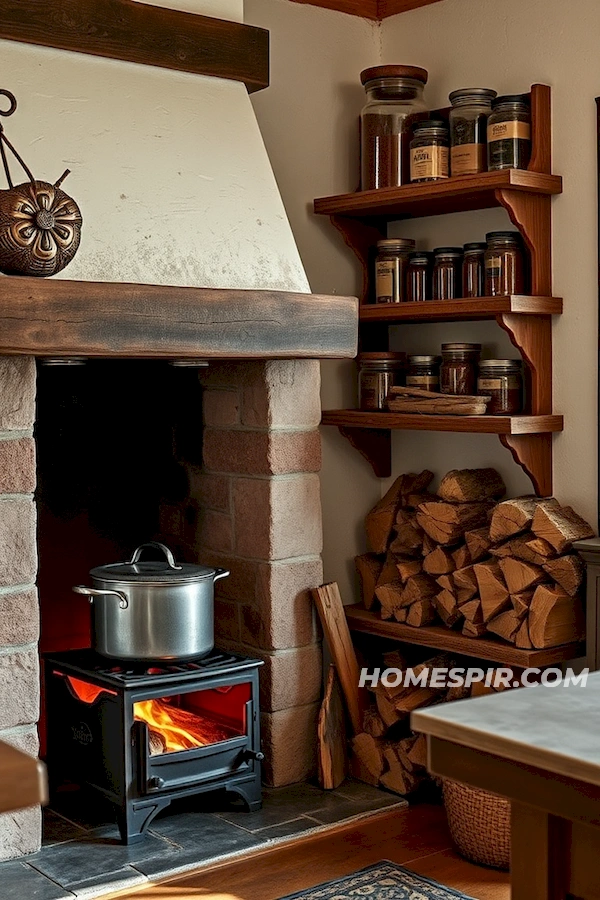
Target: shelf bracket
column 361, row 235
column 533, row 452
column 531, row 213
column 375, row 444
column 532, row 336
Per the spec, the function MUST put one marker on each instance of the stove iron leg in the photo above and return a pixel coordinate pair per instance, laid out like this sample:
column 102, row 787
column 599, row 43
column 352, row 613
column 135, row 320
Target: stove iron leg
column 133, row 823
column 250, row 793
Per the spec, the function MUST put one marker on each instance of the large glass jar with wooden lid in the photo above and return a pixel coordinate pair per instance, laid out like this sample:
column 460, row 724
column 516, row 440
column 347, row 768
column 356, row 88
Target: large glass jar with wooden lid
column 394, row 102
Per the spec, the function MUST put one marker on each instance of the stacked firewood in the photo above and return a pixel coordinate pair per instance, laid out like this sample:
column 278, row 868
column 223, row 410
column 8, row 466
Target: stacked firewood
column 390, row 753
column 462, row 558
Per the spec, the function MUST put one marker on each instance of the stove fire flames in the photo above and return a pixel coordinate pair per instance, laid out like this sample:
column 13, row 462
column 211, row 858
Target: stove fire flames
column 143, row 736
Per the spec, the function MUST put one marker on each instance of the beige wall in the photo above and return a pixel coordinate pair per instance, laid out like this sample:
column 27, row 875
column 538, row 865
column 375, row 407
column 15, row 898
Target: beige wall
column 308, row 119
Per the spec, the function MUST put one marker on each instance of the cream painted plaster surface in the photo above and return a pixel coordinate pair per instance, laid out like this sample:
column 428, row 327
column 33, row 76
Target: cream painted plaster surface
column 169, row 169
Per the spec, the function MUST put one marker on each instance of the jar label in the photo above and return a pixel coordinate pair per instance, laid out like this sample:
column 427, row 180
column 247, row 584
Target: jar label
column 385, row 280
column 511, row 130
column 493, row 262
column 429, row 162
column 467, row 159
column 507, row 382
column 422, row 380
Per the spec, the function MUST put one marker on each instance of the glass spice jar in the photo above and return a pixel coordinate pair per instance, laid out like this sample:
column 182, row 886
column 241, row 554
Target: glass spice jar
column 418, row 281
column 468, row 129
column 394, row 102
column 447, row 273
column 391, row 267
column 429, row 151
column 458, row 369
column 473, row 270
column 502, row 380
column 423, row 373
column 377, row 373
column 504, row 264
column 509, row 133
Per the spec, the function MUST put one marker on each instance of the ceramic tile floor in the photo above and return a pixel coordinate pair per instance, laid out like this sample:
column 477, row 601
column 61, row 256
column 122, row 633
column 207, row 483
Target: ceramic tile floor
column 82, row 855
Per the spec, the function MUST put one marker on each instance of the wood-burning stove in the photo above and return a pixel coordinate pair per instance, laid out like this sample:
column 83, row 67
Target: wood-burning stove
column 143, row 735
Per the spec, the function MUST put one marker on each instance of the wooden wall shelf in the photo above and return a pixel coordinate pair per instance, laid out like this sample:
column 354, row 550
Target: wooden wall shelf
column 139, row 33
column 362, row 219
column 440, row 638
column 459, row 310
column 56, row 317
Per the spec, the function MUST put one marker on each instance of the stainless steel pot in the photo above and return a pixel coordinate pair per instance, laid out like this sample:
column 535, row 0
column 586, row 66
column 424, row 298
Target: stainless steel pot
column 149, row 610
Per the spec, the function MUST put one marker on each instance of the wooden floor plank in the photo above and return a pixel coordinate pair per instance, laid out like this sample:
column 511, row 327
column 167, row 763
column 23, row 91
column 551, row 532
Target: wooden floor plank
column 416, row 838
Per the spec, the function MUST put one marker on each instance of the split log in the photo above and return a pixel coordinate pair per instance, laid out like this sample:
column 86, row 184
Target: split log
column 409, row 536
column 461, row 557
column 368, row 568
column 157, row 744
column 522, row 640
column 493, row 592
column 397, row 778
column 412, row 501
column 447, row 608
column 480, row 689
column 408, row 567
column 373, row 724
column 390, row 596
column 478, row 542
column 438, row 562
column 402, row 749
column 389, row 571
column 415, row 484
column 385, row 707
column 331, row 735
column 417, row 699
column 521, row 603
column 511, row 517
column 460, row 692
column 401, row 614
column 418, row 752
column 473, row 629
column 393, row 659
column 520, row 576
column 429, row 545
column 370, row 752
column 554, row 618
column 421, row 613
column 380, row 520
column 505, row 625
column 446, row 523
column 465, row 584
column 560, row 526
column 525, row 547
column 472, row 612
column 446, row 583
column 467, row 485
column 418, row 587
column 566, row 571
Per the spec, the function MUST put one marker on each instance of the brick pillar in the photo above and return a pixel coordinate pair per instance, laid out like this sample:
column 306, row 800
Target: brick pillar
column 256, row 509
column 20, row 832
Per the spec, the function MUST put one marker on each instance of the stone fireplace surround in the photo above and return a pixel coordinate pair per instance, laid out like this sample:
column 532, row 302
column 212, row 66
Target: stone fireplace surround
column 259, row 514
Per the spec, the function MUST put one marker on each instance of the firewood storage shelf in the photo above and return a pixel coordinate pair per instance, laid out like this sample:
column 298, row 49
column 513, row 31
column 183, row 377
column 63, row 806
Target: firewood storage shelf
column 439, row 637
column 362, row 219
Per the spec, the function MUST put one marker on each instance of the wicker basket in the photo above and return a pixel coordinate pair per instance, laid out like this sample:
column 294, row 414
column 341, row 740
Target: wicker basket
column 479, row 823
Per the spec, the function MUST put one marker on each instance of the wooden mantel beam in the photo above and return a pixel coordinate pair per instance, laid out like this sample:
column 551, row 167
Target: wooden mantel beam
column 59, row 318
column 140, row 33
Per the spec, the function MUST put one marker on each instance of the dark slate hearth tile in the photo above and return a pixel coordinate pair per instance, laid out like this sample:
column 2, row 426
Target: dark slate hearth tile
column 288, row 829
column 57, row 829
column 346, row 809
column 100, row 852
column 203, row 838
column 359, row 791
column 103, row 884
column 20, row 882
column 279, row 805
column 85, row 808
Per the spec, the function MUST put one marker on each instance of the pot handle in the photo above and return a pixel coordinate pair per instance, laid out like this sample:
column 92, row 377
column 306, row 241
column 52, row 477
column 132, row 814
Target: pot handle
column 96, row 592
column 221, row 573
column 156, row 545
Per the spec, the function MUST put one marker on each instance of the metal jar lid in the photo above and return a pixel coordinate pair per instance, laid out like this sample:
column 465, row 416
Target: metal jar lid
column 511, row 100
column 448, row 251
column 400, row 244
column 461, row 347
column 475, row 247
column 423, row 360
column 507, row 237
column 431, row 127
column 466, row 96
column 381, row 357
column 164, row 571
column 500, row 364
column 375, row 72
column 421, row 256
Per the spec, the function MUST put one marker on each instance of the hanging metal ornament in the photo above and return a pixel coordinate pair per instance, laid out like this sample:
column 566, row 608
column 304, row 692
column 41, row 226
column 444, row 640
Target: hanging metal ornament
column 40, row 225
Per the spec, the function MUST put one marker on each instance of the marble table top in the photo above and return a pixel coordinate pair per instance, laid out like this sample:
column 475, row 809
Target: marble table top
column 552, row 728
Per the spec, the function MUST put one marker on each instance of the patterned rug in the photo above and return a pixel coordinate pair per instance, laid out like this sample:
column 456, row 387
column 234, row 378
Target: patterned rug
column 383, row 881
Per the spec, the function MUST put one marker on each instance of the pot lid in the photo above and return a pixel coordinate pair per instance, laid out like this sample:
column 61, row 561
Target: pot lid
column 162, row 571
